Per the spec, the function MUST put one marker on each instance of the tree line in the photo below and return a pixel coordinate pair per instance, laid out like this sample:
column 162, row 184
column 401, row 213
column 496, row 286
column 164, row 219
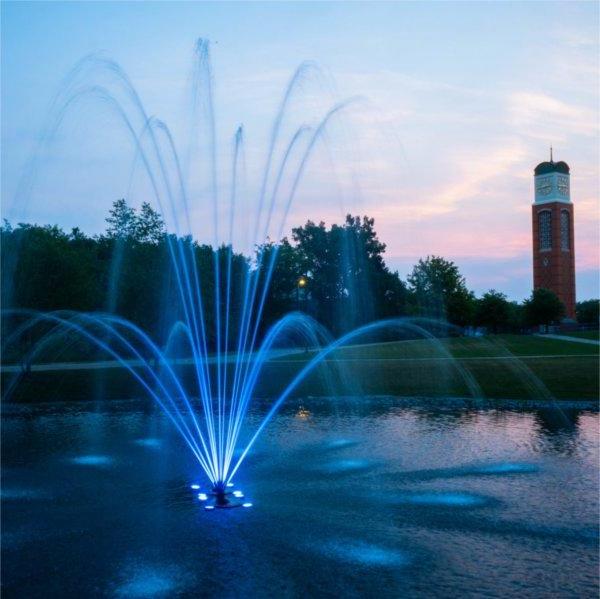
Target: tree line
column 336, row 274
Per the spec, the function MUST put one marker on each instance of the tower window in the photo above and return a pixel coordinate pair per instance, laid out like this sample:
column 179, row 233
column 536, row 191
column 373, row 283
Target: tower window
column 545, row 229
column 565, row 230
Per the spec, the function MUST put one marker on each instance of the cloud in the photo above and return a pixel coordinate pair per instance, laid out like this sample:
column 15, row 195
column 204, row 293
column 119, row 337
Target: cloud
column 544, row 116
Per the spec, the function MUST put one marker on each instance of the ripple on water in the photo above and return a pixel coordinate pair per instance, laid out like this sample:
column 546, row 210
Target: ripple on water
column 452, row 499
column 149, row 442
column 506, row 468
column 92, row 460
column 346, row 465
column 340, row 443
column 21, row 494
column 147, row 581
column 367, row 554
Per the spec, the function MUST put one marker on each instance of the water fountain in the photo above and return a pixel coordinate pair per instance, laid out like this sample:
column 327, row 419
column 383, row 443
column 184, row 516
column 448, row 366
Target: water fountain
column 210, row 418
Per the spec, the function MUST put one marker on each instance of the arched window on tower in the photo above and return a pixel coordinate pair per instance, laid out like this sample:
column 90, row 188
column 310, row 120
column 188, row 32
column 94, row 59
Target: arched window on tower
column 565, row 231
column 545, row 229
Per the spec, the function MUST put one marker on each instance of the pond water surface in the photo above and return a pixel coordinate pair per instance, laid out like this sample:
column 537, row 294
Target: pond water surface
column 353, row 497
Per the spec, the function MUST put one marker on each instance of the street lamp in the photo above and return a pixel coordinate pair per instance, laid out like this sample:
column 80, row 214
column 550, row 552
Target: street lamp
column 301, row 284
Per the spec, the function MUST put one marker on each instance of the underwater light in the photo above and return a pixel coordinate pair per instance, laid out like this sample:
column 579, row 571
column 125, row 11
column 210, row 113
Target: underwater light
column 202, row 496
column 209, row 507
column 246, row 504
column 238, row 494
column 194, row 487
column 230, row 484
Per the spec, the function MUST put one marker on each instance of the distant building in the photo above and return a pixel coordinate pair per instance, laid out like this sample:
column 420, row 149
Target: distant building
column 553, row 228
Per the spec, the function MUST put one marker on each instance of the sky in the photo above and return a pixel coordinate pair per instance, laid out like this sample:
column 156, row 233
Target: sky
column 458, row 103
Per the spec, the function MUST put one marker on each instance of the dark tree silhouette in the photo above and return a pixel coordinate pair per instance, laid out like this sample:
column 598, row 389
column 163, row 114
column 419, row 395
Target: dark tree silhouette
column 493, row 311
column 543, row 307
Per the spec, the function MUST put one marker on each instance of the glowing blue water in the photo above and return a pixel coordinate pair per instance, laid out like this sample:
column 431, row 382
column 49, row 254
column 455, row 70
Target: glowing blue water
column 506, row 468
column 150, row 442
column 150, row 581
column 92, row 460
column 442, row 499
column 367, row 554
column 346, row 465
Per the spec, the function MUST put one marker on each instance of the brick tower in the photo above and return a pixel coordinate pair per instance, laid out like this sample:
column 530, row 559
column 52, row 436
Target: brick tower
column 553, row 239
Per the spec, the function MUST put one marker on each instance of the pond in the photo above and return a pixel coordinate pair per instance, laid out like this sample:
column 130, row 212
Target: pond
column 350, row 497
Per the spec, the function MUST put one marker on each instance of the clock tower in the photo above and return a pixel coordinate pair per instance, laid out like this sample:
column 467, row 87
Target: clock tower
column 553, row 239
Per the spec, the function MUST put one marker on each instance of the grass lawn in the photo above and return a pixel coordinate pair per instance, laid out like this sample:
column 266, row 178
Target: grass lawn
column 595, row 335
column 495, row 367
column 503, row 366
column 462, row 347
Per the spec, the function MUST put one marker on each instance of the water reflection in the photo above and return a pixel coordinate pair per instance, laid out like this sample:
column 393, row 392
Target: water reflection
column 558, row 429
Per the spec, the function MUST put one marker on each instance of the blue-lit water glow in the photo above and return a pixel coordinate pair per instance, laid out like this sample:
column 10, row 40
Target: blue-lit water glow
column 150, row 442
column 15, row 494
column 447, row 499
column 367, row 554
column 151, row 582
column 506, row 468
column 340, row 443
column 346, row 465
column 92, row 460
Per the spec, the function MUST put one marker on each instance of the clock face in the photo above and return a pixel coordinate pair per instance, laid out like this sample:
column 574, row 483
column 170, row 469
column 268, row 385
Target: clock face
column 544, row 186
column 563, row 186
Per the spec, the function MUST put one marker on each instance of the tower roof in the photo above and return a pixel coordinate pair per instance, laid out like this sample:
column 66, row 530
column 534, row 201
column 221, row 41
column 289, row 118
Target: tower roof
column 543, row 168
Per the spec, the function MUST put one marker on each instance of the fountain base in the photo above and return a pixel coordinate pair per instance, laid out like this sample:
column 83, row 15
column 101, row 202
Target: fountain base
column 222, row 498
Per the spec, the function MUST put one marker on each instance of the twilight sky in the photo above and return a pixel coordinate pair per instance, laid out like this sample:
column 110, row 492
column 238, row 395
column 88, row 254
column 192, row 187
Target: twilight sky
column 461, row 101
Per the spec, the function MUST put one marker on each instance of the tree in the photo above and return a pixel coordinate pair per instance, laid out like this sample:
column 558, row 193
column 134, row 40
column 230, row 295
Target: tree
column 440, row 291
column 349, row 282
column 149, row 226
column 588, row 312
column 44, row 268
column 283, row 291
column 516, row 316
column 121, row 220
column 543, row 307
column 124, row 222
column 493, row 311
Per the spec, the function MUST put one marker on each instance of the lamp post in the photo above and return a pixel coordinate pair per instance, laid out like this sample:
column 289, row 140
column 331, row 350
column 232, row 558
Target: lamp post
column 301, row 284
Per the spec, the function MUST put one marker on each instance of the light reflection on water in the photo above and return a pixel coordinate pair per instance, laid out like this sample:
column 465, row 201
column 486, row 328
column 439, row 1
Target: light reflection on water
column 371, row 495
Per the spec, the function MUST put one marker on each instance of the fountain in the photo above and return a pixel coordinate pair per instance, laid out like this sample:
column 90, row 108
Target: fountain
column 221, row 329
